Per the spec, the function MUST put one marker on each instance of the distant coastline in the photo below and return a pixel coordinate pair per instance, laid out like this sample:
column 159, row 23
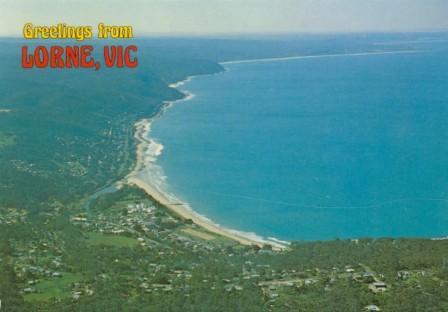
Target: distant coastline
column 299, row 57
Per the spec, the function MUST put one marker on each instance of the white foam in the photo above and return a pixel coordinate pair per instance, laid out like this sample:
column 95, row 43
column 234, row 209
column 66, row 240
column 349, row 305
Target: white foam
column 276, row 240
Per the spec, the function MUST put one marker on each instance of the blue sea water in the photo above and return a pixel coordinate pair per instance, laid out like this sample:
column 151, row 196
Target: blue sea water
column 308, row 149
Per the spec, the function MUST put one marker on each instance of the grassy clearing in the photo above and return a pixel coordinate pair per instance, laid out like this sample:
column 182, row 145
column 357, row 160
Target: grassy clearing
column 199, row 234
column 56, row 287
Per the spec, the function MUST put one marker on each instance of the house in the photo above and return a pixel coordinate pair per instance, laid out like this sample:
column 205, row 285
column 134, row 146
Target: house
column 372, row 307
column 357, row 277
column 377, row 287
column 403, row 274
column 56, row 274
column 310, row 281
column 79, row 219
column 368, row 277
column 273, row 295
column 76, row 295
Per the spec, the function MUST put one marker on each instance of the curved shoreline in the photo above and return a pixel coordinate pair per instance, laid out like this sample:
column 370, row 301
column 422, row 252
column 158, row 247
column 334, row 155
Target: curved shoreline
column 147, row 152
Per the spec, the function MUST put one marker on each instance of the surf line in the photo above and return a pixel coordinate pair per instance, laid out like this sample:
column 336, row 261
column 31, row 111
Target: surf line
column 299, row 57
column 276, row 202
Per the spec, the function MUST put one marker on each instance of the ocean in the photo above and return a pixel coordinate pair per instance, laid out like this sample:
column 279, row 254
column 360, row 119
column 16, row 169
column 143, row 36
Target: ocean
column 318, row 148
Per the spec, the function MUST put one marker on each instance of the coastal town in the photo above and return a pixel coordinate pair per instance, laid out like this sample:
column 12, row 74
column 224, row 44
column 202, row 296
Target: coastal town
column 136, row 223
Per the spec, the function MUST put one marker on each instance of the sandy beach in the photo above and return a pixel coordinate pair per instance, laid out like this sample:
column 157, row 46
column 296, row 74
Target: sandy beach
column 145, row 158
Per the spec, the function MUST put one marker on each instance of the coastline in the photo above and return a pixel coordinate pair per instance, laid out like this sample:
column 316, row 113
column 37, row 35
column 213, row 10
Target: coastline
column 146, row 173
column 300, row 57
column 147, row 152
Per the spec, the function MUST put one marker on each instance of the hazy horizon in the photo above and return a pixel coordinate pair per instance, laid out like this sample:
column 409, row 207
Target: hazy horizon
column 231, row 17
column 253, row 35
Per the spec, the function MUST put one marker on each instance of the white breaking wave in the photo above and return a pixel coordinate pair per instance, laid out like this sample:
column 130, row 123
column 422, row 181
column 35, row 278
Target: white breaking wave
column 278, row 241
